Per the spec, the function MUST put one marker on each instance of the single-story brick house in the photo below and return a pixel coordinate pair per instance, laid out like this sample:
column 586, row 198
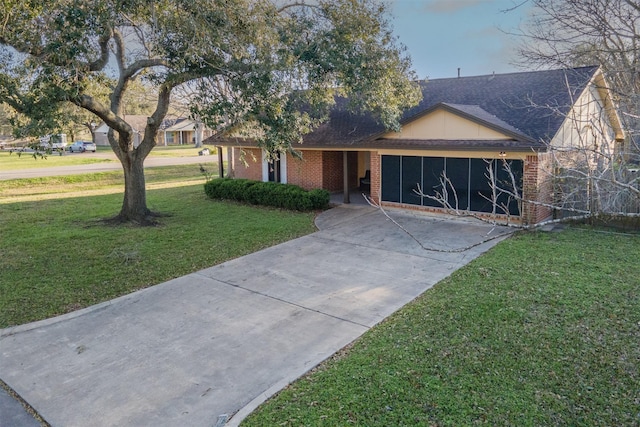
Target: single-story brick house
column 460, row 124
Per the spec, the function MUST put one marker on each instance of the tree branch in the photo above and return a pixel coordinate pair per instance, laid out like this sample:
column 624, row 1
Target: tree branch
column 101, row 62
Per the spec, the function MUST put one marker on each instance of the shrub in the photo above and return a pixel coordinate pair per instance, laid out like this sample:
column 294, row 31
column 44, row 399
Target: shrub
column 319, row 198
column 284, row 196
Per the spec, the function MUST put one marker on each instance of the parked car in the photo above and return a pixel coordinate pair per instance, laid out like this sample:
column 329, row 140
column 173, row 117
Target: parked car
column 89, row 146
column 82, row 146
column 77, row 147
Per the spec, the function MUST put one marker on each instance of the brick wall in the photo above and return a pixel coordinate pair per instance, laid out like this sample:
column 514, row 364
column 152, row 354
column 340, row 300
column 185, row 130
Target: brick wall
column 354, row 179
column 375, row 176
column 253, row 158
column 316, row 169
column 332, row 170
column 305, row 172
column 536, row 186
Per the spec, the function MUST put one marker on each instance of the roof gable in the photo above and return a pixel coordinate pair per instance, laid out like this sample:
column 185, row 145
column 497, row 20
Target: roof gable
column 181, row 124
column 535, row 103
column 455, row 122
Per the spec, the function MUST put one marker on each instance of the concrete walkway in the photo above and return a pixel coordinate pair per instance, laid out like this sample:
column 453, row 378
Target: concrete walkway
column 216, row 343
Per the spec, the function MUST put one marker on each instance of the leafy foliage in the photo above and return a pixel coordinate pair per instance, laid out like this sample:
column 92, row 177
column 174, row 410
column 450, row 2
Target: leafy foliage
column 271, row 66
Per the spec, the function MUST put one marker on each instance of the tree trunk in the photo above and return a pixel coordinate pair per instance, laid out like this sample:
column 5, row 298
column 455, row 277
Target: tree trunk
column 134, row 206
column 198, row 128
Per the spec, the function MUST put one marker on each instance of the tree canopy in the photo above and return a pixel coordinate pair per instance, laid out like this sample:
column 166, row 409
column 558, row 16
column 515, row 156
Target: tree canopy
column 276, row 65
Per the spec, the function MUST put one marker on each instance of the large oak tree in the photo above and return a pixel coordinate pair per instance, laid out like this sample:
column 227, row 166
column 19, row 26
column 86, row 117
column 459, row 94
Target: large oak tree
column 275, row 65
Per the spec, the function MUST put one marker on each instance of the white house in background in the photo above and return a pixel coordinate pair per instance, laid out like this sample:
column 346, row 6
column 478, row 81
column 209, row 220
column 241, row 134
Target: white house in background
column 172, row 131
column 184, row 131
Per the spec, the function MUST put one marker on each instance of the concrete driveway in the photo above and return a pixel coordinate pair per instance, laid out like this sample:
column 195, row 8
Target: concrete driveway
column 212, row 345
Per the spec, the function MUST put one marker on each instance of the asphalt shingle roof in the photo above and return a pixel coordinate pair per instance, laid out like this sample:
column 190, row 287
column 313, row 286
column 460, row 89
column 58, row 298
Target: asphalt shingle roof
column 533, row 102
column 530, row 106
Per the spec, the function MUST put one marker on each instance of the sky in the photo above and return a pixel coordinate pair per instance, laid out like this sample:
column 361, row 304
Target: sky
column 444, row 35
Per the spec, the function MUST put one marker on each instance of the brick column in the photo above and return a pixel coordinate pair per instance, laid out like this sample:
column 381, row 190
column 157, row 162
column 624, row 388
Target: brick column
column 376, row 176
column 536, row 186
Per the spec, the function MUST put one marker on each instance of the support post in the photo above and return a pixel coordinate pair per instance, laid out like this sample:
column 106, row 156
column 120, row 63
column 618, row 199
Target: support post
column 220, row 163
column 230, row 166
column 345, row 178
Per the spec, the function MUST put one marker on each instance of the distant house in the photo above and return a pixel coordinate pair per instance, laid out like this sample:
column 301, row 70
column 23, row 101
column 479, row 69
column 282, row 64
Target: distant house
column 184, row 131
column 172, row 131
column 460, row 126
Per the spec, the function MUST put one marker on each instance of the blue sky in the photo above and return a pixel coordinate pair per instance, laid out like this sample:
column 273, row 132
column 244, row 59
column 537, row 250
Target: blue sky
column 442, row 35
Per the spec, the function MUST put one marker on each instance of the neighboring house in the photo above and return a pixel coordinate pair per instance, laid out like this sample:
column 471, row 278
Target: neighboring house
column 184, row 131
column 172, row 131
column 460, row 124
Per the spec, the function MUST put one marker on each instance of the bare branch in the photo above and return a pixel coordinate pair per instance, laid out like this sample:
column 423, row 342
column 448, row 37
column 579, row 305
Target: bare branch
column 297, row 4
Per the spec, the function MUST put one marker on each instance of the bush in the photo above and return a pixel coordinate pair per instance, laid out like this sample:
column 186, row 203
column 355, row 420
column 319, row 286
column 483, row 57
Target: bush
column 284, row 196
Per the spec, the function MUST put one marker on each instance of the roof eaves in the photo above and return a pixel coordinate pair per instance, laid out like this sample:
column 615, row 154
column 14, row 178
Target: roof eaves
column 460, row 145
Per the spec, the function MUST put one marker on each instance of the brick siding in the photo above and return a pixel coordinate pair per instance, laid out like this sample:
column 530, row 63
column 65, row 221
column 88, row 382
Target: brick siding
column 375, row 176
column 253, row 168
column 305, row 172
column 332, row 170
column 536, row 186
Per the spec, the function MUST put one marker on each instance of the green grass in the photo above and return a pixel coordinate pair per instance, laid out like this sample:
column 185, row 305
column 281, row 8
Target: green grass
column 178, row 151
column 542, row 330
column 101, row 182
column 14, row 161
column 57, row 256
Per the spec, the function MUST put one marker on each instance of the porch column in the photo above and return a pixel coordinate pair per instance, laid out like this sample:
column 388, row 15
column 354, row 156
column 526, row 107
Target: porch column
column 345, row 177
column 220, row 162
column 230, row 165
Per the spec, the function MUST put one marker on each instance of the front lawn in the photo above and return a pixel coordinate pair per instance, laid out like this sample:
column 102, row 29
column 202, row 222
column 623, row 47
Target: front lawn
column 543, row 330
column 32, row 189
column 56, row 256
column 16, row 161
column 186, row 150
